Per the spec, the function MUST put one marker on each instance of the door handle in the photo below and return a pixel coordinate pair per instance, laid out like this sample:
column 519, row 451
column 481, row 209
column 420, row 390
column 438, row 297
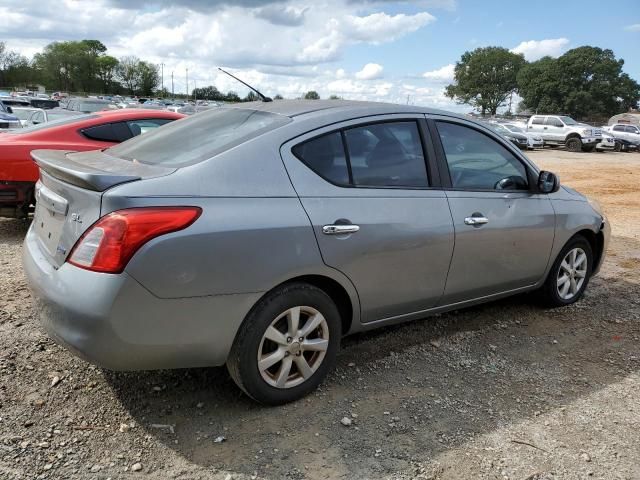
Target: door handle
column 339, row 229
column 476, row 221
column 545, row 128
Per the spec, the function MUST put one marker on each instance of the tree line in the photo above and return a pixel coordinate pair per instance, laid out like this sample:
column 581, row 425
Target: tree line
column 584, row 82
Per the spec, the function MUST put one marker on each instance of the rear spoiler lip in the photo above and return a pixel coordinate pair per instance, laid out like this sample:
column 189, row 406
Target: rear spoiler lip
column 57, row 164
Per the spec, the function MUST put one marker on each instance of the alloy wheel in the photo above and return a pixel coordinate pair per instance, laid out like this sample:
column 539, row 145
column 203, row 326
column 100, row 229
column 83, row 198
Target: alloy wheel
column 572, row 273
column 293, row 347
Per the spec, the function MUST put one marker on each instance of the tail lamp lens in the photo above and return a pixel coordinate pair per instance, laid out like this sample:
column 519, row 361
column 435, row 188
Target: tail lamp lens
column 108, row 245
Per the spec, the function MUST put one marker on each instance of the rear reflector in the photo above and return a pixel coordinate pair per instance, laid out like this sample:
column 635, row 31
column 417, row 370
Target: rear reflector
column 108, row 245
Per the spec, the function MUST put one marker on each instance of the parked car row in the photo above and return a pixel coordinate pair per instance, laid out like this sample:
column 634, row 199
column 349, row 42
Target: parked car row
column 562, row 130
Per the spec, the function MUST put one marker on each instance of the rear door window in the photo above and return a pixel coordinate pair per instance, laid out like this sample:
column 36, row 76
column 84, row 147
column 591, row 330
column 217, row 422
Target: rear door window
column 554, row 122
column 387, row 155
column 537, row 121
column 110, row 132
column 618, row 128
column 325, row 155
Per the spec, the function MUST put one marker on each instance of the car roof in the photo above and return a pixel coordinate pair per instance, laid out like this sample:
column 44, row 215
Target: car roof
column 137, row 113
column 294, row 108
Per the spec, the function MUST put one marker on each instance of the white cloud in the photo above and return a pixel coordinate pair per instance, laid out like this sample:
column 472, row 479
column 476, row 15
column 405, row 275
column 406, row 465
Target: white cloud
column 286, row 47
column 633, row 28
column 381, row 27
column 444, row 74
column 370, row 71
column 536, row 49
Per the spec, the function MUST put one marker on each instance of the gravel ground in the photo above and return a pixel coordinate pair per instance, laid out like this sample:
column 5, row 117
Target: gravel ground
column 502, row 391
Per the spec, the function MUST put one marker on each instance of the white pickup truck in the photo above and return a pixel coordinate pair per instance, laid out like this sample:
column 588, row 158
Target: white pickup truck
column 562, row 130
column 631, row 133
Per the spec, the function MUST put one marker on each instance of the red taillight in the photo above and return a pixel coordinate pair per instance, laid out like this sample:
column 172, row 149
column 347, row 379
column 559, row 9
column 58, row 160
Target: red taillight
column 110, row 243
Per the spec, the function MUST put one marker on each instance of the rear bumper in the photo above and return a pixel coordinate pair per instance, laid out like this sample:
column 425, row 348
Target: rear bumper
column 114, row 322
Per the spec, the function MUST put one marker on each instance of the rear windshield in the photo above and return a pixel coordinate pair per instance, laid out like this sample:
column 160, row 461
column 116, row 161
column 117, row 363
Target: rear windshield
column 194, row 139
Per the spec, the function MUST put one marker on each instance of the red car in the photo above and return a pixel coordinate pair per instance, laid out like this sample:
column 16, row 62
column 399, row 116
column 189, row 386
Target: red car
column 99, row 130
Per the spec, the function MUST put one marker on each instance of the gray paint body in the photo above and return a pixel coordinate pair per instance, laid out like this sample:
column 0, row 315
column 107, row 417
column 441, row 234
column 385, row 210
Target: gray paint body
column 183, row 296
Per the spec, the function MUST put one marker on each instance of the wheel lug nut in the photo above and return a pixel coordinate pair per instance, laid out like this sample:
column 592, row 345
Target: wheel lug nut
column 286, row 354
column 301, row 339
column 297, row 354
column 289, row 339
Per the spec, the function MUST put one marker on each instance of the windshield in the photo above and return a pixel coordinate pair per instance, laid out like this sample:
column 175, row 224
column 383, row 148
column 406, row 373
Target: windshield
column 498, row 128
column 23, row 114
column 91, row 107
column 568, row 121
column 513, row 128
column 192, row 140
column 55, row 123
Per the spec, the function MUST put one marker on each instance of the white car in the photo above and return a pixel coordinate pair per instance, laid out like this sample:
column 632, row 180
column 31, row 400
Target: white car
column 630, row 133
column 23, row 114
column 533, row 140
column 608, row 142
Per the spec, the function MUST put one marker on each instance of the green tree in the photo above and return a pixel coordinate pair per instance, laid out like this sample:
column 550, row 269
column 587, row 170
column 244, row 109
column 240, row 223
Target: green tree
column 334, row 97
column 128, row 73
column 311, row 95
column 485, row 78
column 149, row 78
column 584, row 82
column 106, row 67
column 251, row 97
column 207, row 93
column 15, row 69
column 71, row 66
column 232, row 97
column 278, row 97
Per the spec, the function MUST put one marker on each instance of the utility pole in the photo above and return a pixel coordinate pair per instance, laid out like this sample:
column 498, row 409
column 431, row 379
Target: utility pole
column 162, row 75
column 173, row 95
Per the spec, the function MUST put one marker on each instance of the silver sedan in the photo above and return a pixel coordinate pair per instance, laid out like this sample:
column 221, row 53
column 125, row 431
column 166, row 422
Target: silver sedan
column 258, row 235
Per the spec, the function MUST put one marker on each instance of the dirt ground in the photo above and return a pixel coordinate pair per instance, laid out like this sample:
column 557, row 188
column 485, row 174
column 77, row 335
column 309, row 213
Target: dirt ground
column 502, row 391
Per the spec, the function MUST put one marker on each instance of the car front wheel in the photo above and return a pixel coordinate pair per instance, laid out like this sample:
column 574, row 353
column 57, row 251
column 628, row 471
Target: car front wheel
column 574, row 144
column 286, row 345
column 569, row 274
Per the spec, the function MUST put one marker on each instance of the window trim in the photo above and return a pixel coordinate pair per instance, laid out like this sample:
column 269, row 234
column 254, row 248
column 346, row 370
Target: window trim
column 442, row 158
column 432, row 177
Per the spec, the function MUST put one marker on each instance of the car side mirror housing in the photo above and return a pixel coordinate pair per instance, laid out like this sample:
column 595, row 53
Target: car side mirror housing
column 9, row 110
column 548, row 182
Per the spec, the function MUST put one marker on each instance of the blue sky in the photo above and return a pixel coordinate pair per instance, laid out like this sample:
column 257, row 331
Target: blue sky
column 360, row 49
column 471, row 24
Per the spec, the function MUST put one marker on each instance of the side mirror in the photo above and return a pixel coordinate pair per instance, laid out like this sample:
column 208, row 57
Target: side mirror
column 548, row 182
column 9, row 110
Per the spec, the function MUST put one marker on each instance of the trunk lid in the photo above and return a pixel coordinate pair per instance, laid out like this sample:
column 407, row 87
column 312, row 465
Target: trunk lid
column 69, row 194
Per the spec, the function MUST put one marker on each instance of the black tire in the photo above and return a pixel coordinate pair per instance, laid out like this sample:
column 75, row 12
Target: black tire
column 574, row 144
column 618, row 147
column 243, row 358
column 588, row 149
column 549, row 294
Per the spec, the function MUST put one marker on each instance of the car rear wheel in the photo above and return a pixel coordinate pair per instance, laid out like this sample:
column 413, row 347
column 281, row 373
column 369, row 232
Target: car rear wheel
column 569, row 274
column 574, row 144
column 286, row 345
